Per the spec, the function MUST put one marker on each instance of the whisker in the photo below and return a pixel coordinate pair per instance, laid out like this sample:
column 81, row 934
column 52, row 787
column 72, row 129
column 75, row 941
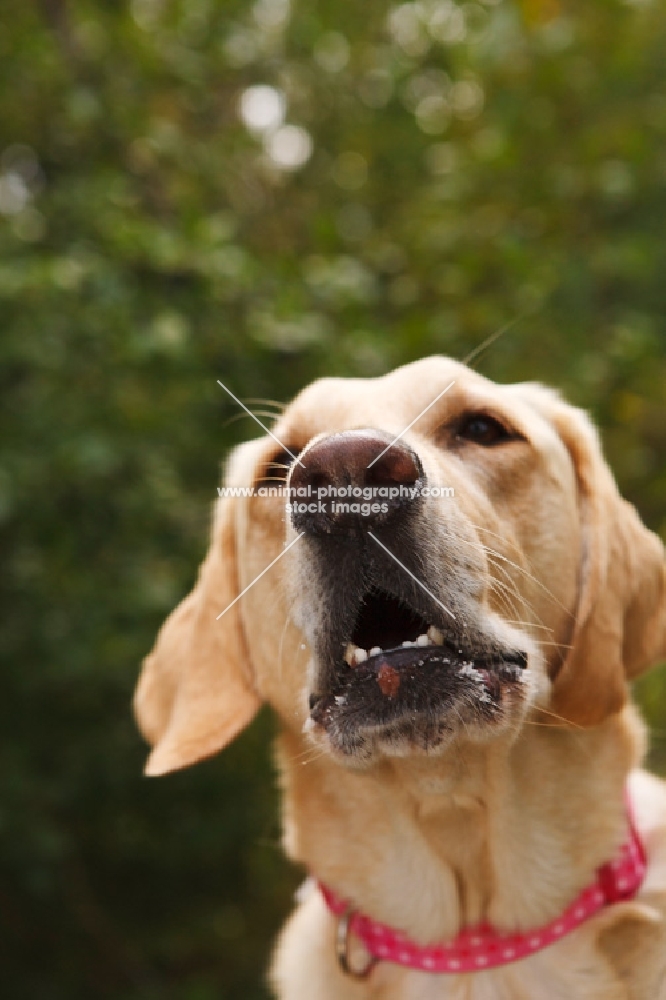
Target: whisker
column 492, row 555
column 505, row 597
column 267, row 402
column 502, row 538
column 311, row 756
column 560, row 718
column 265, row 413
column 240, row 416
column 521, row 569
column 530, row 576
column 547, row 628
column 527, row 606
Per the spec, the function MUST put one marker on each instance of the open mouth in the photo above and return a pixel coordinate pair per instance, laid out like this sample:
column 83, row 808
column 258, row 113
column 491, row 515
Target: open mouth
column 400, row 673
column 386, row 623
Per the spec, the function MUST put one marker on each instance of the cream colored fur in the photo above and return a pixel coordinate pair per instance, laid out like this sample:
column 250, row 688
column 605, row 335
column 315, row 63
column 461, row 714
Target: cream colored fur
column 507, row 828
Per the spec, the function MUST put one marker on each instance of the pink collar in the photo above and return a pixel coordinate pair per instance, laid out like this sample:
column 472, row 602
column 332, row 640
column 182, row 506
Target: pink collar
column 483, row 947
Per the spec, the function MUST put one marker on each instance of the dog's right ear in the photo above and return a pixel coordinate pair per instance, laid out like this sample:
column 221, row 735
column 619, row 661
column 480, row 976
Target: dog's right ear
column 195, row 694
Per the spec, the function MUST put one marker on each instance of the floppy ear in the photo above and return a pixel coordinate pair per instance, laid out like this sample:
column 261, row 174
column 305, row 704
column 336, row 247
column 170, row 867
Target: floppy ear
column 620, row 623
column 194, row 696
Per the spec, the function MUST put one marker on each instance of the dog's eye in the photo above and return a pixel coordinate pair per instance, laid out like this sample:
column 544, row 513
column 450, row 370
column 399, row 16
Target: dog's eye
column 276, row 470
column 483, row 430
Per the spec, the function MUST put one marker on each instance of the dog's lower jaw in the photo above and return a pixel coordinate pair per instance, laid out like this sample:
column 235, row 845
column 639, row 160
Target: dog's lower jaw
column 414, row 841
column 467, row 713
column 442, row 695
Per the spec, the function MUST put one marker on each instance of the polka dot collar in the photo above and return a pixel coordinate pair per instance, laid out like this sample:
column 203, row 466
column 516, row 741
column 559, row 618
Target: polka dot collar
column 483, row 947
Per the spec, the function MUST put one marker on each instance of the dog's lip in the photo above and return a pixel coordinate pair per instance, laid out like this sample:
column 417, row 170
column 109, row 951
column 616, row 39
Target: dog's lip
column 385, row 672
column 409, row 653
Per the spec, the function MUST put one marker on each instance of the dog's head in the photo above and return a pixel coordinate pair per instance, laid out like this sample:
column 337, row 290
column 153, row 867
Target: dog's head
column 459, row 557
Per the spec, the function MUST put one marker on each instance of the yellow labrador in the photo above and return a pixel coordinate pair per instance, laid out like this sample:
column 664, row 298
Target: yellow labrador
column 446, row 632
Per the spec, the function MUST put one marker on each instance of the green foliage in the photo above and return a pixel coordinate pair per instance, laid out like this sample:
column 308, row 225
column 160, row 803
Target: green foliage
column 471, row 165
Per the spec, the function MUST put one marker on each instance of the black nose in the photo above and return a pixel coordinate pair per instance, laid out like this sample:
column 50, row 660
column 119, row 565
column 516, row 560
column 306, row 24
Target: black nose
column 353, row 479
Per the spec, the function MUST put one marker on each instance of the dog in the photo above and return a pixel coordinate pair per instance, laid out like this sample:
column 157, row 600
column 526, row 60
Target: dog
column 445, row 613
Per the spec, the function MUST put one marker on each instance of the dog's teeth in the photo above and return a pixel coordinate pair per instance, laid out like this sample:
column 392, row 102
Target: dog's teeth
column 422, row 640
column 354, row 654
column 436, row 636
column 375, row 650
column 358, row 656
column 408, row 642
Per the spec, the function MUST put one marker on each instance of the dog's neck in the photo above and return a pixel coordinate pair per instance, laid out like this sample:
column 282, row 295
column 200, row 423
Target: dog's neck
column 504, row 833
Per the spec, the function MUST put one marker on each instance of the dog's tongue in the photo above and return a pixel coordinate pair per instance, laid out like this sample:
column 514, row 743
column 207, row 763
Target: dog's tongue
column 388, row 679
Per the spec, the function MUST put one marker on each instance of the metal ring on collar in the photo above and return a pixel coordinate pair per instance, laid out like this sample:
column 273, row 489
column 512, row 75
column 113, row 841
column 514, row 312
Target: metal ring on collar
column 342, row 948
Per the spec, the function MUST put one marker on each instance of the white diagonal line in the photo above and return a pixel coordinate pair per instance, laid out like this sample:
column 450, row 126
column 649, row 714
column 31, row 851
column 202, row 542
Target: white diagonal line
column 263, row 426
column 480, row 348
column 409, row 573
column 292, row 542
column 418, row 417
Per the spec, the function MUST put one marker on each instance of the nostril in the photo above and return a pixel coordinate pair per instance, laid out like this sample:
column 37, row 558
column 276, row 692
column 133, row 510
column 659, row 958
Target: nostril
column 312, row 475
column 397, row 467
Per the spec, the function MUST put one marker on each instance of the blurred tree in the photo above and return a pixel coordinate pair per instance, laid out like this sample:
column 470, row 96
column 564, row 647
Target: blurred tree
column 263, row 193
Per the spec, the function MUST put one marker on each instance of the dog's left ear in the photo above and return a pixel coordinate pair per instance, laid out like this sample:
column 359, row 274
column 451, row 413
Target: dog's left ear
column 620, row 622
column 195, row 694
